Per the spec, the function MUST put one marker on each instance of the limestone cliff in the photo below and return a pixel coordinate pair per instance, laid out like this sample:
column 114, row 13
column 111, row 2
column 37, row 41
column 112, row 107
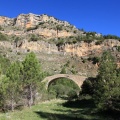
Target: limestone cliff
column 5, row 21
column 47, row 27
column 80, row 49
column 44, row 25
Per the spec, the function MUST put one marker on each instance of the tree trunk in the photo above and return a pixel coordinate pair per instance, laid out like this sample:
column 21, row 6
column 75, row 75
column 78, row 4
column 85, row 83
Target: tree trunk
column 30, row 100
column 12, row 103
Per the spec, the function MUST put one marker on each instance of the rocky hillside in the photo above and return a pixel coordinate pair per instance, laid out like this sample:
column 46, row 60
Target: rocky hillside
column 43, row 25
column 55, row 42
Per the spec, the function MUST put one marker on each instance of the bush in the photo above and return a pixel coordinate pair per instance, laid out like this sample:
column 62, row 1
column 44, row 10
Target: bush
column 111, row 37
column 88, row 86
column 4, row 63
column 1, row 28
column 3, row 37
column 118, row 48
column 63, row 88
column 63, row 71
column 60, row 42
column 18, row 53
column 94, row 59
column 59, row 27
column 34, row 38
column 72, row 95
column 107, row 86
column 41, row 23
column 99, row 42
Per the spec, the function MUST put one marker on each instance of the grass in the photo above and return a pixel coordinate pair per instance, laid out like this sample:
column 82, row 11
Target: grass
column 58, row 110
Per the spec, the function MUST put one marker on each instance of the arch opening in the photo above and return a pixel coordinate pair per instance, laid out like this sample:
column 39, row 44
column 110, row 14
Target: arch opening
column 75, row 78
column 68, row 79
column 64, row 88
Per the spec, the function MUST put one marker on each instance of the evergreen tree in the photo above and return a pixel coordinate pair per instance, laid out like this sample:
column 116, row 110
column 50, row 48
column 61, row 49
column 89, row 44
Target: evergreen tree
column 14, row 83
column 116, row 93
column 106, row 82
column 63, row 71
column 4, row 63
column 4, row 85
column 31, row 73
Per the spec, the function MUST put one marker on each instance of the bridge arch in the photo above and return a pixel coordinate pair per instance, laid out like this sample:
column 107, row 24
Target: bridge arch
column 75, row 78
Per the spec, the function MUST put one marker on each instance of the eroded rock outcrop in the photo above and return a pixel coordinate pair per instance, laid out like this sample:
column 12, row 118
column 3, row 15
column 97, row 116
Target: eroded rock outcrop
column 44, row 25
column 5, row 21
column 78, row 49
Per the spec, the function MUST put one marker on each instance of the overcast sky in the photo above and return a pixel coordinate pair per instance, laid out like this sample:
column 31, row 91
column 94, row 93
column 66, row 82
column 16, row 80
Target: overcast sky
column 102, row 16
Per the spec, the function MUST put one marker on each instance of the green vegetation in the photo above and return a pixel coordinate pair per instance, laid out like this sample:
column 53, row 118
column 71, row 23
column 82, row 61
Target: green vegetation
column 20, row 83
column 87, row 37
column 3, row 37
column 63, row 88
column 111, row 37
column 11, row 86
column 98, row 42
column 1, row 28
column 63, row 71
column 4, row 64
column 20, row 87
column 118, row 48
column 32, row 77
column 59, row 110
column 106, row 86
column 94, row 59
column 59, row 27
column 34, row 37
column 67, row 68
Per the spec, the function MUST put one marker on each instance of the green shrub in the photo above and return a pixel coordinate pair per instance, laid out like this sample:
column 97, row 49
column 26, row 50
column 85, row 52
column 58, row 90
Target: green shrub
column 111, row 37
column 34, row 38
column 94, row 59
column 59, row 27
column 99, row 42
column 118, row 48
column 41, row 23
column 18, row 53
column 63, row 71
column 84, row 60
column 63, row 88
column 1, row 28
column 88, row 86
column 72, row 95
column 60, row 42
column 3, row 37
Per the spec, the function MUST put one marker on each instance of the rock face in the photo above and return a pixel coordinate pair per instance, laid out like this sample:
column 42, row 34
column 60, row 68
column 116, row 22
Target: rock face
column 31, row 20
column 43, row 25
column 49, row 28
column 85, row 49
column 79, row 49
column 5, row 21
column 27, row 21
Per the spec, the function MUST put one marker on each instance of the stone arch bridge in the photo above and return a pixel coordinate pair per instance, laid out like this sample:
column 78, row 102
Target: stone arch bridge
column 75, row 78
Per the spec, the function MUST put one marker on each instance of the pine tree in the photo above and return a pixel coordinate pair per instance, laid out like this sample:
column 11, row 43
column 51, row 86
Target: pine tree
column 106, row 82
column 4, row 84
column 14, row 83
column 116, row 93
column 31, row 73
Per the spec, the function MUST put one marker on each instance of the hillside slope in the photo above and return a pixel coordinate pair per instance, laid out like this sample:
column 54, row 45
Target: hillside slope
column 55, row 42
